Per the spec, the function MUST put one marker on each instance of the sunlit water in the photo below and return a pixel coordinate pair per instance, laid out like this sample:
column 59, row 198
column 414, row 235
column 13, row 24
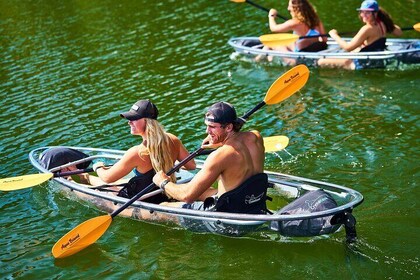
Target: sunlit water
column 69, row 67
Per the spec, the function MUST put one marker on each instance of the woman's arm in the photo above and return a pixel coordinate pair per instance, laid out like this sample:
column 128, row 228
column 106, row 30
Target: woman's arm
column 397, row 31
column 355, row 42
column 125, row 165
column 282, row 27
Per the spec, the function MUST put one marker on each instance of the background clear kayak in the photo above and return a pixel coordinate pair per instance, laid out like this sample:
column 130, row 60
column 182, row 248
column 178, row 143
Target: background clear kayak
column 399, row 51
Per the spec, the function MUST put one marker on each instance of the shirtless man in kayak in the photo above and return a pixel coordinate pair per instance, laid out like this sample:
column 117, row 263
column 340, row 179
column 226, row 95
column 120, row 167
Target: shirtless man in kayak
column 237, row 165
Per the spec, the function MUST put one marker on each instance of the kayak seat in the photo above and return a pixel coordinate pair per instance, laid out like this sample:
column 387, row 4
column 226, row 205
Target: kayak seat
column 249, row 198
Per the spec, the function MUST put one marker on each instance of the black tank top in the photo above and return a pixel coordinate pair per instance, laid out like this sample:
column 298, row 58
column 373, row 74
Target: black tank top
column 378, row 45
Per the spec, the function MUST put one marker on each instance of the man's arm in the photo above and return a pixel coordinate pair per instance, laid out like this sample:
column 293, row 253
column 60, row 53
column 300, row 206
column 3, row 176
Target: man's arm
column 199, row 185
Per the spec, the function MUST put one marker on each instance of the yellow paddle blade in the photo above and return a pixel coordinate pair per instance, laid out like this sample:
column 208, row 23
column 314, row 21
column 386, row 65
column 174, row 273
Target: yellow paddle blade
column 275, row 143
column 279, row 39
column 238, row 1
column 416, row 26
column 288, row 83
column 25, row 181
column 81, row 236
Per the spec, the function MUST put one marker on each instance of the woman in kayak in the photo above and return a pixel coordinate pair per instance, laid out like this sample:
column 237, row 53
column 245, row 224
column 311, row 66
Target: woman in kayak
column 158, row 151
column 304, row 22
column 370, row 38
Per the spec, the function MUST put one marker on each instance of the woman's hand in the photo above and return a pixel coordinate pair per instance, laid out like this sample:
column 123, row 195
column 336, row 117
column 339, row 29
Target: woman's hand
column 272, row 13
column 333, row 33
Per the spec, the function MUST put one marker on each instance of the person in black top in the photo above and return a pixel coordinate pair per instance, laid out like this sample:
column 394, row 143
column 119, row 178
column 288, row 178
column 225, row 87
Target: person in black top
column 371, row 37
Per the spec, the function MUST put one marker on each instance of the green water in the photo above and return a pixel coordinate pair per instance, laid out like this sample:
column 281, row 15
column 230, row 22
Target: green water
column 69, row 67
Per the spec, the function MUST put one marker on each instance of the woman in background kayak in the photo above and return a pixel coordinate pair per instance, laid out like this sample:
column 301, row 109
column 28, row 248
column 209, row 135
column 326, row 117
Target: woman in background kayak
column 370, row 38
column 304, row 22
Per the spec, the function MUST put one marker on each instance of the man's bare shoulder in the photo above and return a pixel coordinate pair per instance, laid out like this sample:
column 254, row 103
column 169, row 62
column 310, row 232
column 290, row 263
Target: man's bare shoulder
column 251, row 136
column 256, row 133
column 221, row 155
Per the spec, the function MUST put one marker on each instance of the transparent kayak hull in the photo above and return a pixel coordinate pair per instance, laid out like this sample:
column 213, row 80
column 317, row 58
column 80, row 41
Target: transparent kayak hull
column 399, row 51
column 284, row 188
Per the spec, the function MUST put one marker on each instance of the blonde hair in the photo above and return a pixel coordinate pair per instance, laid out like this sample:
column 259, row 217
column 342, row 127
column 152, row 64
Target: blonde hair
column 159, row 147
column 305, row 12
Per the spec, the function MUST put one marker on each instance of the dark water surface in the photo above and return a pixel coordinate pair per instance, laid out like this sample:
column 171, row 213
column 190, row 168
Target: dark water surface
column 69, row 67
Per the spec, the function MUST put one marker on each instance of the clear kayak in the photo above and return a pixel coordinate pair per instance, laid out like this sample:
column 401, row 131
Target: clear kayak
column 399, row 51
column 285, row 190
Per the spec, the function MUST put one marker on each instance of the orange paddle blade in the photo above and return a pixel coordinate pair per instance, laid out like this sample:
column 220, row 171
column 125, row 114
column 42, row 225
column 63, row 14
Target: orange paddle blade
column 238, row 1
column 288, row 83
column 416, row 26
column 275, row 143
column 279, row 39
column 81, row 236
column 25, row 181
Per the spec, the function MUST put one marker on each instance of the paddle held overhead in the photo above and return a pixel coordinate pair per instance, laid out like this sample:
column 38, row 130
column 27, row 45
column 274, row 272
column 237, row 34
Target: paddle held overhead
column 257, row 6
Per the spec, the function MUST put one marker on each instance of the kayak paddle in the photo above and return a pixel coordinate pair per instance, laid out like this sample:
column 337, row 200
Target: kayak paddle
column 275, row 143
column 91, row 230
column 272, row 144
column 257, row 6
column 415, row 27
column 282, row 39
column 27, row 181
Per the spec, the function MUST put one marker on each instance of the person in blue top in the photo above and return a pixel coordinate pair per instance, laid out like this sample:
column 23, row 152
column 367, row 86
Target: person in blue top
column 304, row 22
column 370, row 38
column 158, row 151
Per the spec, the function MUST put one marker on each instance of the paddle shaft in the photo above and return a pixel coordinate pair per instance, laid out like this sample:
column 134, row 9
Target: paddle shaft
column 69, row 173
column 324, row 35
column 347, row 33
column 252, row 111
column 74, row 172
column 257, row 6
column 263, row 8
column 409, row 28
column 149, row 187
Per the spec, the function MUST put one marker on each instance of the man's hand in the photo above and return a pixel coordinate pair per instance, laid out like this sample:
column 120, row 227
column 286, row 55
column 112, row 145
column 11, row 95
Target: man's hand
column 160, row 177
column 207, row 145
